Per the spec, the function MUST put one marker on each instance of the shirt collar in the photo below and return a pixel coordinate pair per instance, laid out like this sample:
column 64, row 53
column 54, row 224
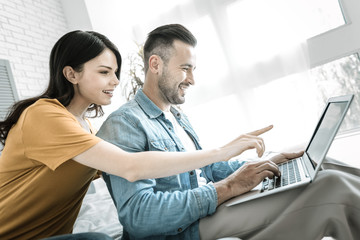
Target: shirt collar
column 149, row 107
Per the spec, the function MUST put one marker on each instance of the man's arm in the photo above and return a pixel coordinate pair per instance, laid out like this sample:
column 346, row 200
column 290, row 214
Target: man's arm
column 221, row 170
column 142, row 211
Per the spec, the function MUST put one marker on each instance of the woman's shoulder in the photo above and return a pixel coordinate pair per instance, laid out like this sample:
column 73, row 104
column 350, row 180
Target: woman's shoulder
column 46, row 106
column 46, row 111
column 47, row 103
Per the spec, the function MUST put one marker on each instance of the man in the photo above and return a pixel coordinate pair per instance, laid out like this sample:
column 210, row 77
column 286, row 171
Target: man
column 188, row 205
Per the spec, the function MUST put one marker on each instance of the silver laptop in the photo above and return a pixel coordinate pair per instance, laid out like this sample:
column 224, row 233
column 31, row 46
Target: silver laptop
column 300, row 171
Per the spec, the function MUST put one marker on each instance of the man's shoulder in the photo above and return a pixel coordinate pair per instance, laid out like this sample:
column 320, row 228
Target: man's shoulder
column 129, row 108
column 128, row 112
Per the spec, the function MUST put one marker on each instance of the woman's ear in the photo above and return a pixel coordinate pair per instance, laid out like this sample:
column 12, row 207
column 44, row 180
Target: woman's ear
column 70, row 74
column 155, row 64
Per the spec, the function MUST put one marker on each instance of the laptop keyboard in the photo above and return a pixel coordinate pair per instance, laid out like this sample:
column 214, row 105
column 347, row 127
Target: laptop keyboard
column 289, row 174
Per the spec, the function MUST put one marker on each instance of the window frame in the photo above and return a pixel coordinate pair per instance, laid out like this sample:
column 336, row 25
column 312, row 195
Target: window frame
column 339, row 42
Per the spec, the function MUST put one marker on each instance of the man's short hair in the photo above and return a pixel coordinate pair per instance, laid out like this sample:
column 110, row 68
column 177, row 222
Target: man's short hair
column 160, row 41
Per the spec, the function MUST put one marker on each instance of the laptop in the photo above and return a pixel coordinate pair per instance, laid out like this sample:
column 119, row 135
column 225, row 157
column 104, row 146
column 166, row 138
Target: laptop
column 303, row 170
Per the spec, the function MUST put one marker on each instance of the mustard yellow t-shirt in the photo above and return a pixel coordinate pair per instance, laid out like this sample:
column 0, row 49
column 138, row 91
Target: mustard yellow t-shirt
column 41, row 188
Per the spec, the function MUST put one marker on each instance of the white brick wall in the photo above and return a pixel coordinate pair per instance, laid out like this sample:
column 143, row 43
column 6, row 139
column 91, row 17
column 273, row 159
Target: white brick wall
column 28, row 31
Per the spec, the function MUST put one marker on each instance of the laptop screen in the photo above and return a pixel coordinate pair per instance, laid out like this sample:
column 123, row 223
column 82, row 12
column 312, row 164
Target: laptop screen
column 326, row 131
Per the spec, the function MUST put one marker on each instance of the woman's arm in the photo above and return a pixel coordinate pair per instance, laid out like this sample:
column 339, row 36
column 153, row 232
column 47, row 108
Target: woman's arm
column 143, row 165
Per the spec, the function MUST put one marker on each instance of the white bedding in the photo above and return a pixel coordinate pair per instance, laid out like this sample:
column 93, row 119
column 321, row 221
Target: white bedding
column 98, row 212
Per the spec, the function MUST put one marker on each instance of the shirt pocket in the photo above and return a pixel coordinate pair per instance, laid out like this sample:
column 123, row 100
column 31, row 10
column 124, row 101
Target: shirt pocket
column 165, row 145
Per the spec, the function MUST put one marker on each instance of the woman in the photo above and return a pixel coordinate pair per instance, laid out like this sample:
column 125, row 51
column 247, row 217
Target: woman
column 51, row 154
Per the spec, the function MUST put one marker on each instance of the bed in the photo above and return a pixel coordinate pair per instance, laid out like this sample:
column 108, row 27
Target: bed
column 98, row 212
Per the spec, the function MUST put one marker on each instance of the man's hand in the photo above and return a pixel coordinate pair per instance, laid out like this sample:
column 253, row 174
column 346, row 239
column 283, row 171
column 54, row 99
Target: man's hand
column 245, row 178
column 283, row 157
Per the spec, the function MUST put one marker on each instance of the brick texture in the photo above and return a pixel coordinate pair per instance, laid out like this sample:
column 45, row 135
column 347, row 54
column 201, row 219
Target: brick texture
column 28, row 31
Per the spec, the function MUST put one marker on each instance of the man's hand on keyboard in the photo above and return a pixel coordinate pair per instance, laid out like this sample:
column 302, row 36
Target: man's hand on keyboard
column 245, row 178
column 283, row 157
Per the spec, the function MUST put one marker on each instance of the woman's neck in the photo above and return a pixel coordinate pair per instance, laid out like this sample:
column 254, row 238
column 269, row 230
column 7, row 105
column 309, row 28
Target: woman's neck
column 77, row 108
column 79, row 113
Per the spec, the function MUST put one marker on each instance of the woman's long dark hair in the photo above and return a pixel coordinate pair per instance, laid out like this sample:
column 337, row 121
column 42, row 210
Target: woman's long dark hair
column 73, row 49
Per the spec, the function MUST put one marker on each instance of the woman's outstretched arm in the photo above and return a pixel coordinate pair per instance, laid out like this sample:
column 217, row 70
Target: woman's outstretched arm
column 153, row 164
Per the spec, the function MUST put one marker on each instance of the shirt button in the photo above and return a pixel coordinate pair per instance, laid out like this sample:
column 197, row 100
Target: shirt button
column 179, row 229
column 192, row 173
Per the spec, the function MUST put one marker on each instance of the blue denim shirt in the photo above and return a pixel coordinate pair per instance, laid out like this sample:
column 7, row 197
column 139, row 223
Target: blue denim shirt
column 163, row 208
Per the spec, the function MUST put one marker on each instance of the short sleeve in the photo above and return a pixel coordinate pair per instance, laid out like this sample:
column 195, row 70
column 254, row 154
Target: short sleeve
column 51, row 135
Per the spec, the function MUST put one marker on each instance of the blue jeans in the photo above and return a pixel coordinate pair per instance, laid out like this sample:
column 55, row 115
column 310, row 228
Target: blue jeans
column 81, row 236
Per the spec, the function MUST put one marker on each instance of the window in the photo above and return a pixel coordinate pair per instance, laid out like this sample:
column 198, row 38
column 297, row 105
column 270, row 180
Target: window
column 340, row 77
column 296, row 101
column 262, row 29
column 8, row 94
column 253, row 63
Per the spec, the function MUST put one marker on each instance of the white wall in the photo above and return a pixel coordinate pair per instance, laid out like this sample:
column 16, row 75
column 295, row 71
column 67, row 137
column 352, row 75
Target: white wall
column 76, row 13
column 28, row 30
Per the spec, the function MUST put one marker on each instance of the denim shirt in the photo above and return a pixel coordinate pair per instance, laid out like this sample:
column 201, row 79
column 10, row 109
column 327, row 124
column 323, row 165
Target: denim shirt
column 162, row 208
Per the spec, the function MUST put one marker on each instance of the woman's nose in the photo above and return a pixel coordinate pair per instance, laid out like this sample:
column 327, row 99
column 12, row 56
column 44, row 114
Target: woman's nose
column 115, row 80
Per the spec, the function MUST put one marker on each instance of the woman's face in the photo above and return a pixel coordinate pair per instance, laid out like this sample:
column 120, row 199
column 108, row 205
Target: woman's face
column 97, row 81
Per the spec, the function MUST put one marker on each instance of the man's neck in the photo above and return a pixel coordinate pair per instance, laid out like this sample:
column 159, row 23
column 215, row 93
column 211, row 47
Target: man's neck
column 154, row 97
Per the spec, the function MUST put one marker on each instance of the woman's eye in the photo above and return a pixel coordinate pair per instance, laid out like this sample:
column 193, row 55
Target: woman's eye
column 104, row 72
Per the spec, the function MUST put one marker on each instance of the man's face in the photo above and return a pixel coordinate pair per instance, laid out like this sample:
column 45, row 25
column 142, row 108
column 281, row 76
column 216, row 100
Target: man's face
column 177, row 74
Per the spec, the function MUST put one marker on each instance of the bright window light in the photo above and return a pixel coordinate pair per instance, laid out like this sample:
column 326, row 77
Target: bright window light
column 211, row 63
column 263, row 28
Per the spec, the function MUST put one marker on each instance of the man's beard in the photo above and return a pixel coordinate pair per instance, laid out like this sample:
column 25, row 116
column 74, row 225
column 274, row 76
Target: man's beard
column 170, row 94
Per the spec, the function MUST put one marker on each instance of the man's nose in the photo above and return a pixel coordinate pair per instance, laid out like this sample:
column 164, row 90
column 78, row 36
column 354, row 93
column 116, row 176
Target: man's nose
column 190, row 78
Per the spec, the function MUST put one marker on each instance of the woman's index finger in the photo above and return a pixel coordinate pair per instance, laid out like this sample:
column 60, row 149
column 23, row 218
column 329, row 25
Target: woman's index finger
column 261, row 131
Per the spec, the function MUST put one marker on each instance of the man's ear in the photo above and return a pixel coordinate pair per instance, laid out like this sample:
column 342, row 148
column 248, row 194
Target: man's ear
column 155, row 64
column 70, row 74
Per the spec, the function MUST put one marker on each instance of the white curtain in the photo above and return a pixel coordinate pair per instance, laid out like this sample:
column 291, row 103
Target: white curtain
column 252, row 63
